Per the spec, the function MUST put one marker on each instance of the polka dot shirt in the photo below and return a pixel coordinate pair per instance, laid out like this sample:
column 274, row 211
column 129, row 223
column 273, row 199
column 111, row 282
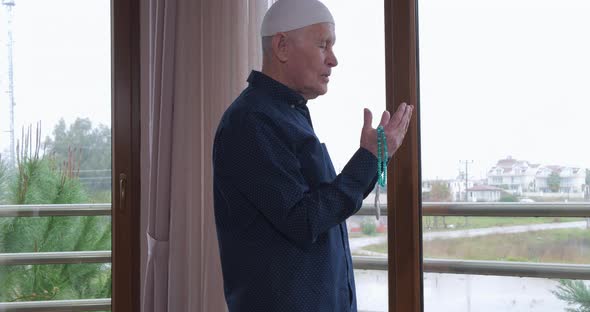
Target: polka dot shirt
column 280, row 208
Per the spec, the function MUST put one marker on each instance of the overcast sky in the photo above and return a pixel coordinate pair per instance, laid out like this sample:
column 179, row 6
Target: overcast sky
column 61, row 64
column 498, row 78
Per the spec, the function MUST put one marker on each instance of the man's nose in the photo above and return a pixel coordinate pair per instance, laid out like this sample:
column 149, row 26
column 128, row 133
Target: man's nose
column 332, row 60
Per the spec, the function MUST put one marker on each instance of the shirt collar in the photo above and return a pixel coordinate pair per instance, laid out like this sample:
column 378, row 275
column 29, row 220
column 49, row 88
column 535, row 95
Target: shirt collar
column 276, row 89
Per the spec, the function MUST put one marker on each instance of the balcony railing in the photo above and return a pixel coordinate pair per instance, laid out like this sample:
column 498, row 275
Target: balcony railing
column 69, row 257
column 467, row 209
column 72, row 257
column 77, row 210
column 57, row 305
column 502, row 268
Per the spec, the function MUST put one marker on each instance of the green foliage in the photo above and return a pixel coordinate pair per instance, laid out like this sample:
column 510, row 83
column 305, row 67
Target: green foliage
column 507, row 197
column 553, row 182
column 35, row 183
column 100, row 197
column 575, row 293
column 45, row 282
column 90, row 145
column 440, row 192
column 39, row 179
column 368, row 226
column 3, row 181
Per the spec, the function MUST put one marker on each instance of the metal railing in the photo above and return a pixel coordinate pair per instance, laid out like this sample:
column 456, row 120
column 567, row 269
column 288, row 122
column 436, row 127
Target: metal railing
column 476, row 267
column 466, row 209
column 68, row 257
column 76, row 210
column 500, row 268
column 57, row 305
column 41, row 258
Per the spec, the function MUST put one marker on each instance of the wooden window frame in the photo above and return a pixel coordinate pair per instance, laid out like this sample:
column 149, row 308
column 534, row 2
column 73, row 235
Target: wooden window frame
column 126, row 137
column 404, row 194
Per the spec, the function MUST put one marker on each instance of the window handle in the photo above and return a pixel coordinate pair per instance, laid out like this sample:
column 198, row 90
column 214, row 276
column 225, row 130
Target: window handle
column 122, row 190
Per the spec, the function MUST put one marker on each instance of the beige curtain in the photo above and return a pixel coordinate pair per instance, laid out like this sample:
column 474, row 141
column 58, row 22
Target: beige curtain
column 196, row 56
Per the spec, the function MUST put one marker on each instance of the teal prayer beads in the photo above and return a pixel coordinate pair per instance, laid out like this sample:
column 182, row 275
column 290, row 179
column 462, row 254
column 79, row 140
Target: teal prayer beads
column 381, row 156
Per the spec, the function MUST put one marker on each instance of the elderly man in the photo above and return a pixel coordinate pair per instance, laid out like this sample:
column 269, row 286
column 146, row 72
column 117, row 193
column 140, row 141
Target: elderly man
column 280, row 208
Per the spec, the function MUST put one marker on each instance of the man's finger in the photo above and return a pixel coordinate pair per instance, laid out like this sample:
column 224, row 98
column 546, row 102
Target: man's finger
column 397, row 117
column 384, row 118
column 368, row 118
column 406, row 119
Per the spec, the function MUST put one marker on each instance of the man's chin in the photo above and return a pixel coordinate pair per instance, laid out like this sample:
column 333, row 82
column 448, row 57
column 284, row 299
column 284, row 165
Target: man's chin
column 323, row 90
column 318, row 92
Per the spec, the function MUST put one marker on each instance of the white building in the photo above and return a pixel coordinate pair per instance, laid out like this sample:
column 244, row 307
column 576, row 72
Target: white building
column 571, row 180
column 515, row 176
column 484, row 193
column 520, row 176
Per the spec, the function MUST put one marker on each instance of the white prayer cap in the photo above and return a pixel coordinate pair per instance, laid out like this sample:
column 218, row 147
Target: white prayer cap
column 286, row 15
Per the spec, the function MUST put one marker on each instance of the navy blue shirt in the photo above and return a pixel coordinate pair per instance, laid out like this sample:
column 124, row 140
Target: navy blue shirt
column 280, row 208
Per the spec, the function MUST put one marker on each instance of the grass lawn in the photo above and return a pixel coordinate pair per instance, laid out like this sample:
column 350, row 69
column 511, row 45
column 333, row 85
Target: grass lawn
column 559, row 246
column 436, row 224
column 361, row 234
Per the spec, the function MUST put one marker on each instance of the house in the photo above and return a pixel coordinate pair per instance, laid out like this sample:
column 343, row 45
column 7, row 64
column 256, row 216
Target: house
column 515, row 176
column 484, row 193
column 571, row 179
column 520, row 176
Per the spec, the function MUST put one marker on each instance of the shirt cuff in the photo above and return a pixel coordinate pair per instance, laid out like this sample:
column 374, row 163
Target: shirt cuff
column 362, row 167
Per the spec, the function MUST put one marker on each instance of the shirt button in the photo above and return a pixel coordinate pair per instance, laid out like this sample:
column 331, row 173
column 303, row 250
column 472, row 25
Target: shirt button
column 300, row 102
column 292, row 106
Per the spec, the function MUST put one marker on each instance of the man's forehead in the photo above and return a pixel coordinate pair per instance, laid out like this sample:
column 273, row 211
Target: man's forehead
column 323, row 31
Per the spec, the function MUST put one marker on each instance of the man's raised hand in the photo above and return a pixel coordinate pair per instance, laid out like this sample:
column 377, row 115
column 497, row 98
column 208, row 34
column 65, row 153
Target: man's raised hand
column 395, row 128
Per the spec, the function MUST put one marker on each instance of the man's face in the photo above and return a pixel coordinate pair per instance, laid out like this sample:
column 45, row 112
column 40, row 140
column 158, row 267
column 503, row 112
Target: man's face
column 311, row 58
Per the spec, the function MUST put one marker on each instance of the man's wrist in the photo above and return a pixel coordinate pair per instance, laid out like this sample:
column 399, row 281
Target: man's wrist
column 362, row 166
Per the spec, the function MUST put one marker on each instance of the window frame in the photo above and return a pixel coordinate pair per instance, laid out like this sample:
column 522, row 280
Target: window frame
column 405, row 267
column 125, row 38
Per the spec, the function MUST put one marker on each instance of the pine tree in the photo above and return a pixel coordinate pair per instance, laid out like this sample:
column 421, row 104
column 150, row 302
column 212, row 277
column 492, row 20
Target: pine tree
column 40, row 180
column 575, row 293
column 3, row 181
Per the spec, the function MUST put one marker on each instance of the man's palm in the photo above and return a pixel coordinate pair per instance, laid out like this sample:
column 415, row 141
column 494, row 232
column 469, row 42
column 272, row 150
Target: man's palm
column 395, row 128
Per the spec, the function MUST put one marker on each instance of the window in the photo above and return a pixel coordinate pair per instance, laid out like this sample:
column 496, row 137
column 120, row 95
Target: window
column 357, row 82
column 56, row 162
column 475, row 69
column 56, row 148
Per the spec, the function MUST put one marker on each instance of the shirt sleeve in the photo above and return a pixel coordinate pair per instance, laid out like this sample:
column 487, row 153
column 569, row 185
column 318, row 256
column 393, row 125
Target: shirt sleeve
column 267, row 172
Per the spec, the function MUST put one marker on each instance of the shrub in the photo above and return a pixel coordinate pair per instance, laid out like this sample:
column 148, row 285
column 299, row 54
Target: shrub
column 368, row 226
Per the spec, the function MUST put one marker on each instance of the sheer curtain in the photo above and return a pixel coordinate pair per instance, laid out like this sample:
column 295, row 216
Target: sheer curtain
column 196, row 56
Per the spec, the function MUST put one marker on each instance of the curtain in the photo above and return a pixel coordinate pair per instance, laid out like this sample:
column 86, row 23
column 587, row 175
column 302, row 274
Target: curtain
column 196, row 56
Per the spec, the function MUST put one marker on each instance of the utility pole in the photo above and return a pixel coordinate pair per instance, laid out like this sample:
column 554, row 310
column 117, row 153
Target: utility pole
column 9, row 5
column 467, row 162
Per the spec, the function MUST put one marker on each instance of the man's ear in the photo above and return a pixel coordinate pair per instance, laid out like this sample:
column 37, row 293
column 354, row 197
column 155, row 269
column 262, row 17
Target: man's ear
column 280, row 46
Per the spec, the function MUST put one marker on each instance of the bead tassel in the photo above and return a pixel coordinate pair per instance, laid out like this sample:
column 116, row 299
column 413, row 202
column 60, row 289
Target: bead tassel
column 381, row 167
